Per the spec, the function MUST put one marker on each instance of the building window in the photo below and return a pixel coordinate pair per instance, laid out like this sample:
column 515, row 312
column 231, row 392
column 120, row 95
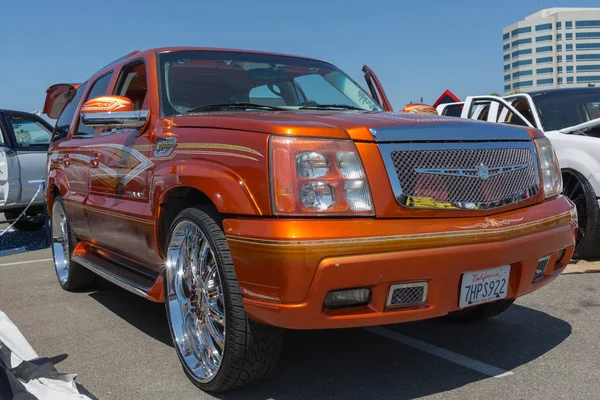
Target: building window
column 506, row 57
column 507, row 77
column 522, row 73
column 558, row 58
column 521, row 41
column 543, row 27
column 559, row 69
column 558, row 25
column 560, row 81
column 588, row 46
column 548, row 81
column 588, row 35
column 545, row 70
column 522, row 52
column 542, row 60
column 588, row 79
column 506, row 46
column 506, row 87
column 588, row 68
column 517, row 85
column 518, row 31
column 521, row 63
column 587, row 24
column 569, row 68
column 569, row 36
column 544, row 38
column 507, row 67
column 569, row 79
column 569, row 57
column 588, row 57
column 559, row 36
column 569, row 47
column 542, row 49
column 559, row 47
column 569, row 24
column 506, row 36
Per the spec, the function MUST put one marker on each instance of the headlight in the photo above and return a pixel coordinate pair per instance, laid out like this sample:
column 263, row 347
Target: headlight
column 551, row 176
column 317, row 176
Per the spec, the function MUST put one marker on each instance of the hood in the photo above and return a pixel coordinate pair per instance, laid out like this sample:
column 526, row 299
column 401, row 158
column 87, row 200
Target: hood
column 357, row 125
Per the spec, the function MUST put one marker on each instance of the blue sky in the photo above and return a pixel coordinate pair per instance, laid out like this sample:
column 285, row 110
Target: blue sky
column 417, row 48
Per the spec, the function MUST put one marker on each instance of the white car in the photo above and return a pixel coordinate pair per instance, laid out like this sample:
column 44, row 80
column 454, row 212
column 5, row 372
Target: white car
column 570, row 118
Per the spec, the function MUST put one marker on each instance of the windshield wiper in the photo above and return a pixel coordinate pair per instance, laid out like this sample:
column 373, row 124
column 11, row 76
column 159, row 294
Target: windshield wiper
column 330, row 106
column 236, row 105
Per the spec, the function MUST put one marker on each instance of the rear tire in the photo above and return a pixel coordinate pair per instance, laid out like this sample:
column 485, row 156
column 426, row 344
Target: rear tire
column 580, row 191
column 218, row 346
column 26, row 224
column 71, row 276
column 480, row 312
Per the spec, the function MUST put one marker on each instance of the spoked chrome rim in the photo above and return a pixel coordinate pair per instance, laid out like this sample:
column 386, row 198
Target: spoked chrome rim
column 60, row 242
column 195, row 301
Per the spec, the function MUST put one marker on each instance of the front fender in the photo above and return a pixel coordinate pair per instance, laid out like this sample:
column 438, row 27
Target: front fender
column 56, row 177
column 580, row 153
column 228, row 191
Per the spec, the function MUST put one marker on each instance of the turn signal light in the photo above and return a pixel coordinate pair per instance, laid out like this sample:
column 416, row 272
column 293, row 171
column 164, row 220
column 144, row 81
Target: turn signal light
column 318, row 176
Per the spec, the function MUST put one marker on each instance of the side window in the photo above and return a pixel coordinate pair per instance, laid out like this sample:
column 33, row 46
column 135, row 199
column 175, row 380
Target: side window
column 30, row 133
column 66, row 117
column 98, row 89
column 132, row 84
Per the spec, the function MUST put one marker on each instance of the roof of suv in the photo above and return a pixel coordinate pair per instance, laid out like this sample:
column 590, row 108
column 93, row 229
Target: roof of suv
column 565, row 91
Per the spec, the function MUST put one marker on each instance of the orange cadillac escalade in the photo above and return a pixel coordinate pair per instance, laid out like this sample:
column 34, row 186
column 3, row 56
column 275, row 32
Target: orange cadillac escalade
column 255, row 192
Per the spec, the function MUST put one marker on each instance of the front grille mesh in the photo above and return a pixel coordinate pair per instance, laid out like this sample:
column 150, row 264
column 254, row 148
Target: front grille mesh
column 408, row 295
column 462, row 189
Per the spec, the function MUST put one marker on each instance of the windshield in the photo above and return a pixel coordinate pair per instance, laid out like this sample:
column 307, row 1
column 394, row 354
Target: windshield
column 560, row 110
column 194, row 79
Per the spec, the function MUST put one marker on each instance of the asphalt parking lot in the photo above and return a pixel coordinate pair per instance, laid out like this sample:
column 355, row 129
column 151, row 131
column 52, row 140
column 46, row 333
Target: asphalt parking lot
column 544, row 347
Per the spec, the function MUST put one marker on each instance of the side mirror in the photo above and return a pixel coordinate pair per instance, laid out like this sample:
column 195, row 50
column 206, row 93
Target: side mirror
column 112, row 112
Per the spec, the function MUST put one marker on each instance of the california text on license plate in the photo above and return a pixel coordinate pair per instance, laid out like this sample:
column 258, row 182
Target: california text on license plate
column 484, row 286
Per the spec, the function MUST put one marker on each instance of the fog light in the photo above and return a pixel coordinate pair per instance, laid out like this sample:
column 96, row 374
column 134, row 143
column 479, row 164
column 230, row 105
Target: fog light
column 347, row 298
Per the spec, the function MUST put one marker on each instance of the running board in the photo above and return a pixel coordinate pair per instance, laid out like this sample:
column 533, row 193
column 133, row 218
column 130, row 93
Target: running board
column 130, row 281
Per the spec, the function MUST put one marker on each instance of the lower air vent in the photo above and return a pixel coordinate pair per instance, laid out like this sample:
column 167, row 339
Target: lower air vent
column 407, row 294
column 542, row 264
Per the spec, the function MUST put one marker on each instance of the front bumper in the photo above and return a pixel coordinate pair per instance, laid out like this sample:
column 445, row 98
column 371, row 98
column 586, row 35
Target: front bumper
column 287, row 267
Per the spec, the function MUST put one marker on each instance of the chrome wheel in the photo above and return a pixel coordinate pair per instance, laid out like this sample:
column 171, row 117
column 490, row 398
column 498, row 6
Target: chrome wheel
column 60, row 242
column 195, row 301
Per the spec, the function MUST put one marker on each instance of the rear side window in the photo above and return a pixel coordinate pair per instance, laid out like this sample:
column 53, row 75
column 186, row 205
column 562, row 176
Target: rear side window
column 98, row 89
column 66, row 117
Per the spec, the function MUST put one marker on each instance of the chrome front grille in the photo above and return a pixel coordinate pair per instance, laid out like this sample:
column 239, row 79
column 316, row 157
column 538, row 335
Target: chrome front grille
column 462, row 175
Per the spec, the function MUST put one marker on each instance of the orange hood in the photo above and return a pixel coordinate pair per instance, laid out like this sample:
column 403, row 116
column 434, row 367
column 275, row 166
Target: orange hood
column 333, row 124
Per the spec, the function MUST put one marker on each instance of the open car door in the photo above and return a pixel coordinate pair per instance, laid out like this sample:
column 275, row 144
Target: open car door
column 376, row 89
column 56, row 98
column 10, row 174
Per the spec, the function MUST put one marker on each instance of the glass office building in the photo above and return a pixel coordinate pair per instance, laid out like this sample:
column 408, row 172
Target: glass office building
column 553, row 48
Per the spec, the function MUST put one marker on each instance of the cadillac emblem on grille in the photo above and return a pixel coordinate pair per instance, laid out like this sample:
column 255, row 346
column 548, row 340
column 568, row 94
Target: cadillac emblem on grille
column 482, row 171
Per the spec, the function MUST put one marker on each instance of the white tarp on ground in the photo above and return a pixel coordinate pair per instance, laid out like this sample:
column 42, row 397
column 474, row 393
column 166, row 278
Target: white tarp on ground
column 26, row 376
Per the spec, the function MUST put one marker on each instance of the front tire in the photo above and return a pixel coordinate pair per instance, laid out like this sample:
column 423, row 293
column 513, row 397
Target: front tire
column 26, row 223
column 71, row 276
column 219, row 347
column 480, row 312
column 580, row 191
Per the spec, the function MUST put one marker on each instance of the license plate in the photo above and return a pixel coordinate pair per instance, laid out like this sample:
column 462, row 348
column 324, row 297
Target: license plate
column 483, row 286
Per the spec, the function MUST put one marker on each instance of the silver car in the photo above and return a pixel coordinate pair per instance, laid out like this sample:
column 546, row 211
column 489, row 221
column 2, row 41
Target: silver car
column 24, row 140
